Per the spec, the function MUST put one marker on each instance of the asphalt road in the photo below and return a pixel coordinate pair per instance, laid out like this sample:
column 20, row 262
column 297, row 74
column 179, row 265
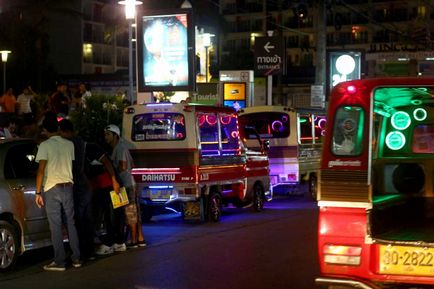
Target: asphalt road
column 272, row 249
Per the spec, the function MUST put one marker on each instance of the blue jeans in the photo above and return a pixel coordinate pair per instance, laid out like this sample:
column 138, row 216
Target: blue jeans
column 57, row 198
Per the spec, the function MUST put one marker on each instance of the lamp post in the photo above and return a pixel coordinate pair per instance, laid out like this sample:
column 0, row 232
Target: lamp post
column 4, row 54
column 130, row 15
column 206, row 40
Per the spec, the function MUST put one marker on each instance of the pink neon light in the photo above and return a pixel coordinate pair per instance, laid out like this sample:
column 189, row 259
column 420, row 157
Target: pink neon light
column 351, row 89
column 228, row 119
column 156, row 170
column 211, row 119
column 277, row 125
column 201, row 119
column 321, row 123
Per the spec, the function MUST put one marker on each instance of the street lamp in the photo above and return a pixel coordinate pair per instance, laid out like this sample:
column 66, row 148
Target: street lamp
column 130, row 15
column 4, row 54
column 206, row 41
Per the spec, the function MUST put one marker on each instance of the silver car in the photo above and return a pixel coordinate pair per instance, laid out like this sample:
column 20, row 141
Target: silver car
column 23, row 226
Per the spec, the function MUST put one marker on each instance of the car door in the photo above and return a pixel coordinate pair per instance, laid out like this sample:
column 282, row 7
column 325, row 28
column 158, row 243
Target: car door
column 20, row 174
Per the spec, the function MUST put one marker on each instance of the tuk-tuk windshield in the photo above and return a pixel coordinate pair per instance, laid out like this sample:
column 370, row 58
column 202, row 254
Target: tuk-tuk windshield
column 267, row 124
column 158, row 126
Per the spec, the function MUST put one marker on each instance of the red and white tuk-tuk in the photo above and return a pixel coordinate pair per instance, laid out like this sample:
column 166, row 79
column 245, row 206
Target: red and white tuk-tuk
column 295, row 139
column 193, row 155
column 376, row 188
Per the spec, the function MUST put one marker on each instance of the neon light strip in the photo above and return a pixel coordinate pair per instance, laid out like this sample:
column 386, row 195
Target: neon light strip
column 159, row 104
column 358, row 205
column 156, row 170
column 160, row 187
column 172, row 209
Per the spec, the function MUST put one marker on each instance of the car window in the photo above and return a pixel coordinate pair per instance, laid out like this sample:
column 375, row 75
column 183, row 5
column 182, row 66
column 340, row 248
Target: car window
column 229, row 134
column 208, row 134
column 20, row 161
column 305, row 126
column 348, row 131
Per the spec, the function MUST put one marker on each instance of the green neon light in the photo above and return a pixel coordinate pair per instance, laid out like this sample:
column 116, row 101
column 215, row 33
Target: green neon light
column 400, row 120
column 420, row 114
column 352, row 108
column 380, row 199
column 381, row 112
column 303, row 120
column 395, row 140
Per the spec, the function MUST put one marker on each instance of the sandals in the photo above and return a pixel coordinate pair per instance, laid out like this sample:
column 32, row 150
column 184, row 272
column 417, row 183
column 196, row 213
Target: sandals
column 137, row 244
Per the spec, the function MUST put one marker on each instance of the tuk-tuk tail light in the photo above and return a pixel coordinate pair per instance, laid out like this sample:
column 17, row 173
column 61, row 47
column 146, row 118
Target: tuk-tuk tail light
column 190, row 191
column 342, row 254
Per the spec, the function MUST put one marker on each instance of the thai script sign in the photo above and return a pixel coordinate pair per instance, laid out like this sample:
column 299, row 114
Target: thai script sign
column 269, row 55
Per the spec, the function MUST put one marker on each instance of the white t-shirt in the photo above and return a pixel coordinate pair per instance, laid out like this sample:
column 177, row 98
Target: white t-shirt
column 59, row 154
column 23, row 102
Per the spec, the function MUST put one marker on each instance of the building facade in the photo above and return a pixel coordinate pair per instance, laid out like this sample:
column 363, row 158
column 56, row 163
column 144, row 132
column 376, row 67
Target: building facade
column 395, row 37
column 104, row 37
column 89, row 37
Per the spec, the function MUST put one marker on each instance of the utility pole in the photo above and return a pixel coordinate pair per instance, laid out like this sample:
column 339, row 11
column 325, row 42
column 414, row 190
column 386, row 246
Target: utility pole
column 321, row 32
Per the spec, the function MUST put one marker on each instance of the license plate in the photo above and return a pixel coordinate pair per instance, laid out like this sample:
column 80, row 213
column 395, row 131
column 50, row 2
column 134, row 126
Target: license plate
column 158, row 194
column 406, row 260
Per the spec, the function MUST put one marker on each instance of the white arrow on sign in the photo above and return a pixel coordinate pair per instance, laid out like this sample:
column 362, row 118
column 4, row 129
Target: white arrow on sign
column 267, row 46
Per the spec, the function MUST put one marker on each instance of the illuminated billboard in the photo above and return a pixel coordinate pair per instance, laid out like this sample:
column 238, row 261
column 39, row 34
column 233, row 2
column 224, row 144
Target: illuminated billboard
column 165, row 49
column 234, row 94
column 343, row 65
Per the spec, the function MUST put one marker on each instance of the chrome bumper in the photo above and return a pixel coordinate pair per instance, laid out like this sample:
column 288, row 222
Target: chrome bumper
column 344, row 283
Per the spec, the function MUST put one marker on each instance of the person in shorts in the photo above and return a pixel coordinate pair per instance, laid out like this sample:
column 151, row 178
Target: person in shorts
column 123, row 163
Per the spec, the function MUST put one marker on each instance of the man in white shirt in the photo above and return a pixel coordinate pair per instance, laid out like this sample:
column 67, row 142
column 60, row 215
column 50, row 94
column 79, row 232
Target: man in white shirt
column 54, row 178
column 23, row 101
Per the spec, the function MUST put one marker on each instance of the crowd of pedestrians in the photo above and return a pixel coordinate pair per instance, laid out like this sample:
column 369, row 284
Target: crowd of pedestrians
column 75, row 178
column 74, row 182
column 24, row 113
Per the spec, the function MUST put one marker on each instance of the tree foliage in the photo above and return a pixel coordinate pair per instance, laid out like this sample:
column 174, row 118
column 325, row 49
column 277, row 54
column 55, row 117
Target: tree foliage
column 100, row 111
column 24, row 31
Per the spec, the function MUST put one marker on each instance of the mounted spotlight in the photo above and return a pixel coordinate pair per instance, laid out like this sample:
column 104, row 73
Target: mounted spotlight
column 300, row 10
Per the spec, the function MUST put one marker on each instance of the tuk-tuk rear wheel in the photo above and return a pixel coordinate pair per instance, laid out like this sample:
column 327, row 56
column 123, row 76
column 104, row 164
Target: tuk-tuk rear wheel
column 258, row 198
column 215, row 207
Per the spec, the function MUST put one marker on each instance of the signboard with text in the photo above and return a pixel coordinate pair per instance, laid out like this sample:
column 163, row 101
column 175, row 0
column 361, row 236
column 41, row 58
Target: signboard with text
column 207, row 93
column 234, row 94
column 317, row 98
column 165, row 46
column 269, row 55
column 343, row 65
